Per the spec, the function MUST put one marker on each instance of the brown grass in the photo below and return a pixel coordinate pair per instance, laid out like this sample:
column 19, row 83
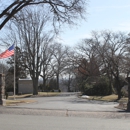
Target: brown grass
column 11, row 101
column 48, row 93
column 109, row 98
column 20, row 96
column 39, row 94
column 15, row 102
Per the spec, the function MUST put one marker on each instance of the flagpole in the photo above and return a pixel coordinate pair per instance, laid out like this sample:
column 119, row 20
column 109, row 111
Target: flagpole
column 14, row 70
column 9, row 52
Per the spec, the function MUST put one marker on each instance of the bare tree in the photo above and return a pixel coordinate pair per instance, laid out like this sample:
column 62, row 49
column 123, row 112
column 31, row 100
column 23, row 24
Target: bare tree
column 111, row 48
column 33, row 36
column 59, row 61
column 62, row 11
column 126, row 67
column 47, row 71
column 89, row 60
column 68, row 77
column 104, row 52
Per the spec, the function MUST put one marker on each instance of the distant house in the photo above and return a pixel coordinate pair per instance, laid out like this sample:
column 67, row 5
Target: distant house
column 25, row 86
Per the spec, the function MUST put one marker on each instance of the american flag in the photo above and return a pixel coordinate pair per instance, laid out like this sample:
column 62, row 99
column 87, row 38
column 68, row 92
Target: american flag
column 9, row 52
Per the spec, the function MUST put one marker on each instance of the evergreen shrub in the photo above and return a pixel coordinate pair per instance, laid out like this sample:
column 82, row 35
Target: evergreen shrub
column 100, row 88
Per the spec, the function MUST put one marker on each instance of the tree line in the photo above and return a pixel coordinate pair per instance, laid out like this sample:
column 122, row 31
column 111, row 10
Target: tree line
column 104, row 54
column 104, row 57
column 32, row 25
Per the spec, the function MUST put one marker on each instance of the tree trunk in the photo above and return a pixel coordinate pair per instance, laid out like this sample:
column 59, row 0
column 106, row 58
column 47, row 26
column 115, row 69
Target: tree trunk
column 68, row 84
column 118, row 90
column 35, row 86
column 117, row 81
column 17, row 86
column 68, row 88
column 44, row 80
column 57, row 81
column 44, row 84
column 128, row 104
column 110, row 83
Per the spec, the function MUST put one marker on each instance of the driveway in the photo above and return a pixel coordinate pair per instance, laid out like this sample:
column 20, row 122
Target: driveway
column 71, row 102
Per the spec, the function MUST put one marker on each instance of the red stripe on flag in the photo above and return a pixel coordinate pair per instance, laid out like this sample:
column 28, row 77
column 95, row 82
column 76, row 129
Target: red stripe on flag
column 6, row 54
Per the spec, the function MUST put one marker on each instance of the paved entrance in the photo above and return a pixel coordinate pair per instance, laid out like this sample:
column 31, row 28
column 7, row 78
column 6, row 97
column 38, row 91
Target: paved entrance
column 70, row 102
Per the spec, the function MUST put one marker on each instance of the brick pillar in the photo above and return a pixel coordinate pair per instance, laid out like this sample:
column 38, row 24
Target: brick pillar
column 2, row 88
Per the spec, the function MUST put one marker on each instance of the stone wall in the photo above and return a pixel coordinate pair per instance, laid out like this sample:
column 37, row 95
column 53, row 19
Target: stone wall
column 2, row 88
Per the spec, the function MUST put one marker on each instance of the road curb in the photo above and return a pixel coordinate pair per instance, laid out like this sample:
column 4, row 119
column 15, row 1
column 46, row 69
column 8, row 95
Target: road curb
column 67, row 113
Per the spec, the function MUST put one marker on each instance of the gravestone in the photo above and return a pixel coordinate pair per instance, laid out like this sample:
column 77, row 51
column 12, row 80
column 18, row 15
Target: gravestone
column 2, row 88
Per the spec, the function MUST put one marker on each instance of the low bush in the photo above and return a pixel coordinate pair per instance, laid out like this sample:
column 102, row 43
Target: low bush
column 52, row 90
column 40, row 87
column 100, row 88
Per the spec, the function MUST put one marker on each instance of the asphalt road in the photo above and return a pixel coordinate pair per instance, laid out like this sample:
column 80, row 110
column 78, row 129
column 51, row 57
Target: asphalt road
column 64, row 112
column 37, row 122
column 69, row 102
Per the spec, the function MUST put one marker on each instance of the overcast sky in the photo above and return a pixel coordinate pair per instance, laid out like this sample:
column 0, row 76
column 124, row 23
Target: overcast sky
column 102, row 14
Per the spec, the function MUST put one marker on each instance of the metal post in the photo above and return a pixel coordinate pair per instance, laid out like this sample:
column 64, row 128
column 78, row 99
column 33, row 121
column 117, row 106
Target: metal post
column 14, row 71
